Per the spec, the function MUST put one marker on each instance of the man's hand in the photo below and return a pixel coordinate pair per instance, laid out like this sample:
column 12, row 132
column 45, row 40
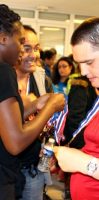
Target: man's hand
column 66, row 158
column 72, row 160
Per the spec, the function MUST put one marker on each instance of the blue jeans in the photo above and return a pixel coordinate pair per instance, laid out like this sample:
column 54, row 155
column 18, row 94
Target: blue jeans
column 33, row 189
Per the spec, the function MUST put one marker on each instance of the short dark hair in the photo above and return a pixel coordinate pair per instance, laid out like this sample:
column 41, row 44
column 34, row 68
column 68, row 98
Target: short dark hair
column 48, row 54
column 29, row 28
column 56, row 75
column 87, row 31
column 7, row 19
column 53, row 50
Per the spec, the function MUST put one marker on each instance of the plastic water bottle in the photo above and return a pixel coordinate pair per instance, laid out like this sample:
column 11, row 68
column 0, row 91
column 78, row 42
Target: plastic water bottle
column 43, row 164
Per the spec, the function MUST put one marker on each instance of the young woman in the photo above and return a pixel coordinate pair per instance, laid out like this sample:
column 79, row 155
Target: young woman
column 61, row 72
column 15, row 136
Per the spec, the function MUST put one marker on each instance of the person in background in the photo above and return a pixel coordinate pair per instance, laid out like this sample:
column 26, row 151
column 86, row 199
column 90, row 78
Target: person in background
column 48, row 57
column 60, row 77
column 84, row 163
column 32, row 80
column 15, row 135
column 55, row 53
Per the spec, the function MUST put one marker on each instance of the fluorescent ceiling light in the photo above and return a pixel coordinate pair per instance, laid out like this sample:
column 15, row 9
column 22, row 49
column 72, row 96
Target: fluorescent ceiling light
column 51, row 29
column 77, row 21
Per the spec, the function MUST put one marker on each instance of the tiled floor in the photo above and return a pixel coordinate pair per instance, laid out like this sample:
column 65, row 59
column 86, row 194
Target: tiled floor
column 56, row 191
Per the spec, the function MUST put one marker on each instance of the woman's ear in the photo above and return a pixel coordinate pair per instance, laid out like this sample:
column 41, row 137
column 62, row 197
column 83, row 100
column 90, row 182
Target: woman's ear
column 3, row 38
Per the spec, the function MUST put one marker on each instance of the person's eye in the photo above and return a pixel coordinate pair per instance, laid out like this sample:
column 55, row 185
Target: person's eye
column 36, row 49
column 27, row 49
column 65, row 66
column 89, row 62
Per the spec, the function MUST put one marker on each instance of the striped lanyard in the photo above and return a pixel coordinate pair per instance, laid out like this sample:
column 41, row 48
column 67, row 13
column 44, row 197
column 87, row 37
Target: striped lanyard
column 58, row 121
column 89, row 117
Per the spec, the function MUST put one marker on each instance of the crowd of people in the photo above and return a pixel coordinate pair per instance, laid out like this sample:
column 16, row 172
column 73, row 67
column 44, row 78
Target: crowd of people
column 34, row 86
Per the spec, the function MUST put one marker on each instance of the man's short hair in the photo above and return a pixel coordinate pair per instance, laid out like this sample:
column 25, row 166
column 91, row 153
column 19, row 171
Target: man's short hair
column 88, row 31
column 48, row 54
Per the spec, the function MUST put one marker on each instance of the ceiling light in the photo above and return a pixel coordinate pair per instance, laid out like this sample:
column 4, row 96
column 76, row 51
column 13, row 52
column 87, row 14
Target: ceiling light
column 51, row 29
column 77, row 21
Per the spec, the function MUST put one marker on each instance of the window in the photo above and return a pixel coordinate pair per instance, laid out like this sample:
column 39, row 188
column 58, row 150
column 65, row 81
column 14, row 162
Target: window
column 52, row 37
column 53, row 16
column 25, row 13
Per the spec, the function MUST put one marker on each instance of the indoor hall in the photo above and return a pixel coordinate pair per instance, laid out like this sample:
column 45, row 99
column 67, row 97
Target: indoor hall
column 54, row 23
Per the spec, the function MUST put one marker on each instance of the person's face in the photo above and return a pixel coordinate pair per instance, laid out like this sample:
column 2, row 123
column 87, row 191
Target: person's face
column 13, row 45
column 31, row 54
column 64, row 68
column 88, row 60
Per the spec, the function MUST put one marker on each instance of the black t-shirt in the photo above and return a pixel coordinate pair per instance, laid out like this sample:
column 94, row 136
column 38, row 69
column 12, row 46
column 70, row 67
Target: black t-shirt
column 8, row 89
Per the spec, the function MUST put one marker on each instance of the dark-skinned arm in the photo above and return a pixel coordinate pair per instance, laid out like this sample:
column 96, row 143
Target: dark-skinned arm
column 15, row 136
column 32, row 104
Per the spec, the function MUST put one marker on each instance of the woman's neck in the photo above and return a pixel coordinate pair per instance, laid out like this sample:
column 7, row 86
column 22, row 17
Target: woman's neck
column 22, row 76
column 22, row 81
column 63, row 79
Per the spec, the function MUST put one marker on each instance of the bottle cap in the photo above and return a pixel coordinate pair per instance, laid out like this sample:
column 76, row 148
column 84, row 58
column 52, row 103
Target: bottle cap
column 48, row 151
column 52, row 140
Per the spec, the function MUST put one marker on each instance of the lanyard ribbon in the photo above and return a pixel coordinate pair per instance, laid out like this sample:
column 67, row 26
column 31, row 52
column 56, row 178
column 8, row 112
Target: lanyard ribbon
column 90, row 115
column 58, row 121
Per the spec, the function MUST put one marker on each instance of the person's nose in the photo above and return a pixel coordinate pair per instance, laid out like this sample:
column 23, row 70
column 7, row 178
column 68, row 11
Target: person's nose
column 84, row 69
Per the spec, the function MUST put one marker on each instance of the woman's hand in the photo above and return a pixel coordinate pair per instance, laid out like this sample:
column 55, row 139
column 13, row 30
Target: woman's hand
column 41, row 101
column 55, row 101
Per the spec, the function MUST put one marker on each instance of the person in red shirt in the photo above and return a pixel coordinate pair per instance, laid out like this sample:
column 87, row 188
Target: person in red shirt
column 84, row 163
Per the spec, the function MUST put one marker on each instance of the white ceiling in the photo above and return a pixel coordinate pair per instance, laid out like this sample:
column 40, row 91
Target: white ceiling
column 82, row 7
